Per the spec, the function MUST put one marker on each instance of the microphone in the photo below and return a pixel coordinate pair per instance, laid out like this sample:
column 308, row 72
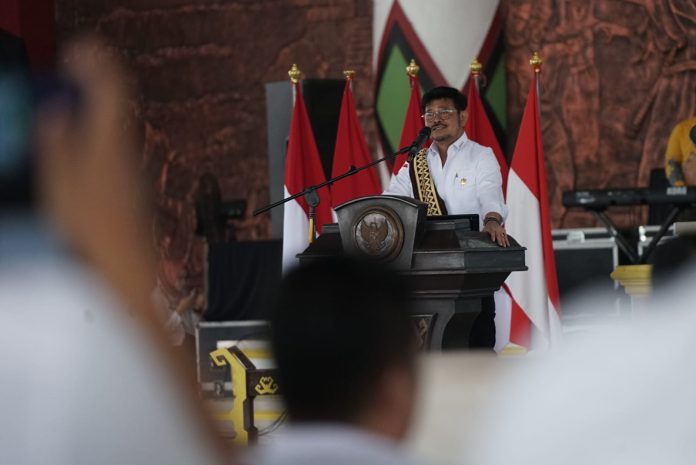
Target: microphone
column 418, row 142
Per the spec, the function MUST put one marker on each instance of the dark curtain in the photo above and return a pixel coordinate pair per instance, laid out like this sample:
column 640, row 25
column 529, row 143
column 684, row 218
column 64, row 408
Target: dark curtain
column 242, row 277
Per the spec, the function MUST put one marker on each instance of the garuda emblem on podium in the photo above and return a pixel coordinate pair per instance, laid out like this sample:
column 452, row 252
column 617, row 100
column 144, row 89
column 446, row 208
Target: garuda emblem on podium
column 378, row 233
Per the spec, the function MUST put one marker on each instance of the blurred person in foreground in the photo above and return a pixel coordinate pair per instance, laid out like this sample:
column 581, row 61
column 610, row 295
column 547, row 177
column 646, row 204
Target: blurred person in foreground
column 85, row 374
column 622, row 395
column 345, row 348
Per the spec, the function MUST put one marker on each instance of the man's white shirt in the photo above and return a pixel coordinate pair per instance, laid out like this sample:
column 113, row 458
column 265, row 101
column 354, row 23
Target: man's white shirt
column 327, row 444
column 82, row 383
column 469, row 183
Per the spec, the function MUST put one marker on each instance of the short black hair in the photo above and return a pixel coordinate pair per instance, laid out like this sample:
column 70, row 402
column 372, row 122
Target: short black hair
column 337, row 325
column 450, row 93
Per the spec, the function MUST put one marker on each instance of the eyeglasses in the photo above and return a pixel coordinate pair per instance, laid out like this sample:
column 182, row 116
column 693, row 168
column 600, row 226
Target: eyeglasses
column 441, row 114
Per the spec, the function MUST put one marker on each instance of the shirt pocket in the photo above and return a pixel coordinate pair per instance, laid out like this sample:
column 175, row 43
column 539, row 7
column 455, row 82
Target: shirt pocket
column 464, row 181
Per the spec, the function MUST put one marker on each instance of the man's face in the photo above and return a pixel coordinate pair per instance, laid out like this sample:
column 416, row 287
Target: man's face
column 446, row 123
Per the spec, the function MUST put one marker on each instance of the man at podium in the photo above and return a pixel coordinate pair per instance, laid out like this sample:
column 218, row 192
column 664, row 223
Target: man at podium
column 455, row 176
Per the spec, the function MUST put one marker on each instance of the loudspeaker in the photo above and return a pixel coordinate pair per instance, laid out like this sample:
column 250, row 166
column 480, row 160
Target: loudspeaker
column 322, row 98
column 323, row 101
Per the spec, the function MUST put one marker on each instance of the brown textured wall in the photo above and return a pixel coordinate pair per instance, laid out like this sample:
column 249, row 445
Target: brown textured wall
column 200, row 68
column 617, row 75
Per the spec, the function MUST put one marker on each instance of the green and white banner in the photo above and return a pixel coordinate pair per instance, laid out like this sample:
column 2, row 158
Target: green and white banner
column 443, row 36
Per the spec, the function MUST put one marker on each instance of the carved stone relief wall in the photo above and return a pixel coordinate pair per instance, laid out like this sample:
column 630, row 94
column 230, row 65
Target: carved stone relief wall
column 199, row 69
column 617, row 76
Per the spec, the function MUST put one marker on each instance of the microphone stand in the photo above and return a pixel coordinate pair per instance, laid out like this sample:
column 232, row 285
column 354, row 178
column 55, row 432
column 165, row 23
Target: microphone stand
column 312, row 197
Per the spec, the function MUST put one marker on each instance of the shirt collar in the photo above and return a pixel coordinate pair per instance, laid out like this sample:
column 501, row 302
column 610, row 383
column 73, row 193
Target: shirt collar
column 457, row 144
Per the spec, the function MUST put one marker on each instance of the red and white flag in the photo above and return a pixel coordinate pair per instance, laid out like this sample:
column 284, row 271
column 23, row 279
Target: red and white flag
column 302, row 169
column 351, row 150
column 534, row 293
column 478, row 128
column 413, row 123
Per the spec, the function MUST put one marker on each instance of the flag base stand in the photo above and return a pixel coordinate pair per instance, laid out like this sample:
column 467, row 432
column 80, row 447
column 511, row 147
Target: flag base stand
column 636, row 279
column 637, row 283
column 513, row 350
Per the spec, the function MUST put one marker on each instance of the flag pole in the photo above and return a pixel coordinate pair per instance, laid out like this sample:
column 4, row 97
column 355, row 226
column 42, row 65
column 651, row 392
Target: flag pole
column 412, row 121
column 475, row 67
column 412, row 71
column 294, row 73
column 535, row 63
column 349, row 74
column 312, row 198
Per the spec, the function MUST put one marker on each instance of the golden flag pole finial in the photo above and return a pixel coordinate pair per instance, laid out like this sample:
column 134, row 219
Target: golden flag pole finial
column 349, row 74
column 294, row 74
column 536, row 62
column 412, row 68
column 475, row 67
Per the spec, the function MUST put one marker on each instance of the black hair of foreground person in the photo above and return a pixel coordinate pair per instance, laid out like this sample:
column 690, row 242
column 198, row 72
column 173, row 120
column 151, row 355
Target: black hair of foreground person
column 340, row 327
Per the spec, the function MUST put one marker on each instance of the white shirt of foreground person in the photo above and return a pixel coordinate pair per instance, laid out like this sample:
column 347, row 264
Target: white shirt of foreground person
column 469, row 183
column 621, row 395
column 81, row 384
column 328, row 444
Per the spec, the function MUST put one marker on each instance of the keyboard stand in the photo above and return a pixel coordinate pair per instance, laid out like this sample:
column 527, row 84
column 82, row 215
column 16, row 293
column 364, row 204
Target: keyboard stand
column 626, row 246
column 671, row 218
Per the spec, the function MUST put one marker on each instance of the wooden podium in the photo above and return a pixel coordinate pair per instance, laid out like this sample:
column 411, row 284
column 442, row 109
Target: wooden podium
column 450, row 265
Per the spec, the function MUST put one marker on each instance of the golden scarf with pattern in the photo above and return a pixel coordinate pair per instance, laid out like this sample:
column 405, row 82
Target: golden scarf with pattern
column 423, row 186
